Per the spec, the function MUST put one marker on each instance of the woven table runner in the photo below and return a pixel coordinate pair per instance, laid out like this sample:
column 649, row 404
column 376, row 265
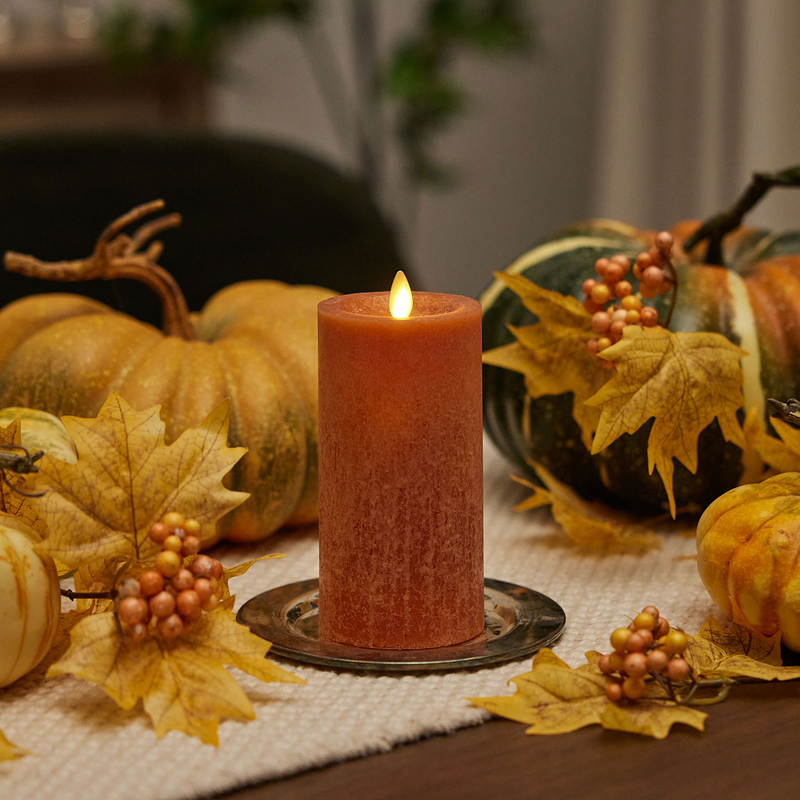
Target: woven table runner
column 86, row 748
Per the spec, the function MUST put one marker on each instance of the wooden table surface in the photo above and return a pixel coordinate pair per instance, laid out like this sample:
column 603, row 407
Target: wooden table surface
column 749, row 751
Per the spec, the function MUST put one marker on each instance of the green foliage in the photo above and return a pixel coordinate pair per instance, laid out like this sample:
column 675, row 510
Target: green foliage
column 416, row 83
column 426, row 98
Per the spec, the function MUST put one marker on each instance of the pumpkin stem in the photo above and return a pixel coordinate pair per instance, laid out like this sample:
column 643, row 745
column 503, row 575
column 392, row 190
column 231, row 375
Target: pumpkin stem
column 717, row 226
column 117, row 255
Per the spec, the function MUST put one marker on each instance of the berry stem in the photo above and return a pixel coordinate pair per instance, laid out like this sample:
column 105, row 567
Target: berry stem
column 673, row 277
column 715, row 228
column 72, row 595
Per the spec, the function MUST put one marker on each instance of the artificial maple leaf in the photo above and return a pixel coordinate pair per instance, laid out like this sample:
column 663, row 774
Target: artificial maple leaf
column 552, row 353
column 9, row 751
column 783, row 454
column 591, row 525
column 554, row 698
column 126, row 478
column 182, row 682
column 12, row 502
column 684, row 381
column 736, row 651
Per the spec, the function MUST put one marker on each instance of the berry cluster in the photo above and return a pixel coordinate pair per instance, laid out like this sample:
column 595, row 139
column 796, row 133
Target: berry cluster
column 648, row 269
column 174, row 594
column 647, row 645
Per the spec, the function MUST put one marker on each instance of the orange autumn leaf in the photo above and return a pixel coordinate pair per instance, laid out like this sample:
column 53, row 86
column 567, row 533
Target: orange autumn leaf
column 682, row 380
column 9, row 751
column 555, row 698
column 591, row 525
column 552, row 353
column 126, row 478
column 182, row 682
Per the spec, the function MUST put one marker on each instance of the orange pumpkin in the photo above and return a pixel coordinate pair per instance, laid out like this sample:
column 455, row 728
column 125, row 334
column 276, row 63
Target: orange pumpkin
column 30, row 600
column 748, row 550
column 254, row 342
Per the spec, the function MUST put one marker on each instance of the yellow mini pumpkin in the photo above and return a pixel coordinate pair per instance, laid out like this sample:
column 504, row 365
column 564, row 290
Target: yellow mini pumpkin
column 748, row 553
column 30, row 600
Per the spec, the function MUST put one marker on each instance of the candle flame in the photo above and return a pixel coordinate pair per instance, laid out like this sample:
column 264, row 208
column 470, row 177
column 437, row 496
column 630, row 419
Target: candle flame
column 400, row 300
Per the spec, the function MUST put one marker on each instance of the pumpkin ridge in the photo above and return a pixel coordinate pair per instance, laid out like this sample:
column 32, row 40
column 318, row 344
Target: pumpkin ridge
column 20, row 580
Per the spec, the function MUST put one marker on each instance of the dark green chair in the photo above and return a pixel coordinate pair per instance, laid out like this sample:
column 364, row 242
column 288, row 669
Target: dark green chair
column 250, row 210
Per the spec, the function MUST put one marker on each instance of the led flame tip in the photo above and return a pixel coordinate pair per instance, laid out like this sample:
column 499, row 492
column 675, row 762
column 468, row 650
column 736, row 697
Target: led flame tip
column 400, row 300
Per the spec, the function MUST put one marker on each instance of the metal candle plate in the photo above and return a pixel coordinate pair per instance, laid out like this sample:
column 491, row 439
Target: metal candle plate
column 518, row 621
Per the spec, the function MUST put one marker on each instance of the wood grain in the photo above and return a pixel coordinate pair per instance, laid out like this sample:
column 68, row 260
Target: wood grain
column 749, row 750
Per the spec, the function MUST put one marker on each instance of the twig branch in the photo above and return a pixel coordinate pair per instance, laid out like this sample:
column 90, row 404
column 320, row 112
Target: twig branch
column 715, row 228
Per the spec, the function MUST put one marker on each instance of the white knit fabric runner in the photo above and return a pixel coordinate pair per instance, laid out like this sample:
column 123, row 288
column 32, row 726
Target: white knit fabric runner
column 86, row 748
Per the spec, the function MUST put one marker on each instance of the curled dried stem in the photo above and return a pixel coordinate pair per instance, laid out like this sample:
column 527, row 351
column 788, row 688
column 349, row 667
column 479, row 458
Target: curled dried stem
column 117, row 255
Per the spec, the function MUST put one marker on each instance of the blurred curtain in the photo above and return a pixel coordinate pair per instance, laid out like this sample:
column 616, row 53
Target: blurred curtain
column 695, row 96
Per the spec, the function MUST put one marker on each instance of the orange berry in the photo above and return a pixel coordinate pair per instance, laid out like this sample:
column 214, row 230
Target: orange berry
column 588, row 285
column 158, row 532
column 174, row 543
column 643, row 261
column 601, row 293
column 644, row 620
column 648, row 316
column 168, row 563
column 616, row 660
column 676, row 641
column 663, row 628
column 653, row 277
column 633, row 688
column 218, row 569
column 657, row 660
column 635, row 665
column 137, row 633
column 678, row 669
column 132, row 610
column 601, row 321
column 211, row 603
column 619, row 637
column 129, row 588
column 617, row 326
column 173, row 519
column 191, row 546
column 600, row 266
column 613, row 273
column 614, row 692
column 623, row 289
column 637, row 272
column 656, row 256
column 635, row 643
column 182, row 580
column 162, row 604
column 591, row 347
column 152, row 582
column 664, row 242
column 203, row 588
column 648, row 292
column 631, row 303
column 651, row 610
column 632, row 317
column 202, row 566
column 170, row 627
column 188, row 603
column 603, row 342
column 192, row 527
column 604, row 666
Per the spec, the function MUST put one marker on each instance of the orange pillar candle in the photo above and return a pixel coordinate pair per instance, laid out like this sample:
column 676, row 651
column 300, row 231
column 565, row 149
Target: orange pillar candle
column 401, row 471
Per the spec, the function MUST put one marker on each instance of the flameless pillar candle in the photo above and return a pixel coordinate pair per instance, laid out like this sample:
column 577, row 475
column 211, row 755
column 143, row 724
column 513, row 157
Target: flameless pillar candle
column 400, row 471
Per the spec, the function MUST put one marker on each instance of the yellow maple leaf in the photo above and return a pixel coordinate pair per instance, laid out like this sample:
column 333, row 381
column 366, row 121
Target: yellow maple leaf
column 11, row 502
column 9, row 751
column 736, row 651
column 126, row 478
column 552, row 353
column 555, row 698
column 588, row 524
column 684, row 381
column 182, row 682
column 783, row 454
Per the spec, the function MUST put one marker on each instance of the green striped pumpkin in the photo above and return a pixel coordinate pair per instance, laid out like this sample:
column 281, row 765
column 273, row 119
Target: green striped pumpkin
column 754, row 301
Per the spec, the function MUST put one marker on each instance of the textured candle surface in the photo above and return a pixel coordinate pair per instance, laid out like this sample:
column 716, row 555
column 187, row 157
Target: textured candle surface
column 401, row 478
